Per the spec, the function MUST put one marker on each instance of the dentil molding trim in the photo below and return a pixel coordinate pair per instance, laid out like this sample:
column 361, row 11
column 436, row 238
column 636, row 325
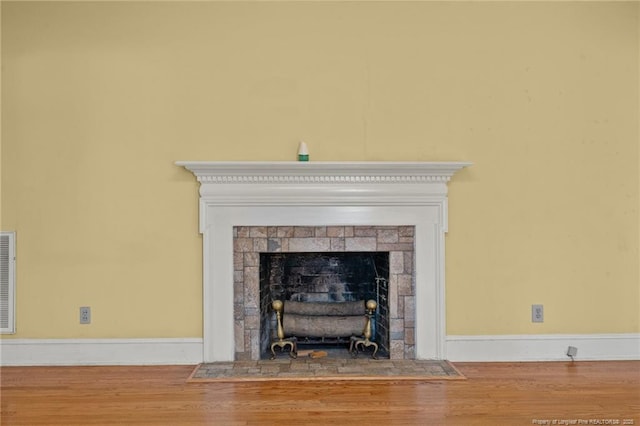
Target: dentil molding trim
column 322, row 172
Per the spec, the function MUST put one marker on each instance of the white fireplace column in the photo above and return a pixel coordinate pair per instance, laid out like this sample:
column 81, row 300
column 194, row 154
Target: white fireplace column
column 322, row 194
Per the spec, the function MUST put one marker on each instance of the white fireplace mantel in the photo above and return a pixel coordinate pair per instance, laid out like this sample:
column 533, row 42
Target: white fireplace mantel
column 324, row 172
column 322, row 183
column 322, row 194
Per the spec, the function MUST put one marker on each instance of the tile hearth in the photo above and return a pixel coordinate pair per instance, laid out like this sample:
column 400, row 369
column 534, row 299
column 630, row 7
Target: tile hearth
column 334, row 369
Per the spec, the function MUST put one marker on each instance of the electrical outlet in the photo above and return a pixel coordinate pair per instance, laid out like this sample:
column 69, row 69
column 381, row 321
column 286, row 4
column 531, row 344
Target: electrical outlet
column 572, row 351
column 537, row 313
column 85, row 315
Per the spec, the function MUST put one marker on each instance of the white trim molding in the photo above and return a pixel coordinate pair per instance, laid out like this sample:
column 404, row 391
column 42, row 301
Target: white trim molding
column 543, row 347
column 189, row 351
column 321, row 172
column 322, row 194
column 161, row 351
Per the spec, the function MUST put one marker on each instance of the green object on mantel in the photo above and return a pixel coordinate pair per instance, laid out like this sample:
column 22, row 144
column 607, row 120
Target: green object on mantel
column 303, row 152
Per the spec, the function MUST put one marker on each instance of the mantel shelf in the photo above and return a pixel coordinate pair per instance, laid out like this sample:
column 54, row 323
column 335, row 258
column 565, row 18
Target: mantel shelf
column 324, row 172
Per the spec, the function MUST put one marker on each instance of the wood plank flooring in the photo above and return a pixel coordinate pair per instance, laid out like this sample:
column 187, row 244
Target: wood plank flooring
column 494, row 394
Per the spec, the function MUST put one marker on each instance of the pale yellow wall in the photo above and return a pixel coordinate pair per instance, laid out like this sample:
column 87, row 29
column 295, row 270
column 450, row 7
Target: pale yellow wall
column 99, row 100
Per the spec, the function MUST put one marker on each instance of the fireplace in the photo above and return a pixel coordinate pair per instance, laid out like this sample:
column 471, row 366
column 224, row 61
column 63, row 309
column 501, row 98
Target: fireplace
column 245, row 205
column 324, row 264
column 331, row 277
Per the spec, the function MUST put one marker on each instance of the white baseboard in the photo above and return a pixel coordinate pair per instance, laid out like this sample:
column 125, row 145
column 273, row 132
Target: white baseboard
column 169, row 351
column 188, row 351
column 546, row 347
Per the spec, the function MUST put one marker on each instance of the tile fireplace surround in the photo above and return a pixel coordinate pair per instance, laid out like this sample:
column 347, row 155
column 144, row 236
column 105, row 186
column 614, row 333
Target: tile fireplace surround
column 251, row 241
column 320, row 195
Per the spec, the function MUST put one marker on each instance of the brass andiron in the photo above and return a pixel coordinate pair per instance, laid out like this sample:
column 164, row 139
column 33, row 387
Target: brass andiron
column 282, row 342
column 366, row 342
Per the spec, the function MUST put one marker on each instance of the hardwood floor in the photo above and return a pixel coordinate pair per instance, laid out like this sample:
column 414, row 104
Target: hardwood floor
column 494, row 394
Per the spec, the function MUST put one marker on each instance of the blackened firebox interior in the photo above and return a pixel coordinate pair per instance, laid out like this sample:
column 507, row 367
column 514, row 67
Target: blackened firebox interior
column 325, row 277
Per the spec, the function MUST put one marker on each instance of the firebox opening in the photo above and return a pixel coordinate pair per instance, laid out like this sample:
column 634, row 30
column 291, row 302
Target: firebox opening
column 325, row 277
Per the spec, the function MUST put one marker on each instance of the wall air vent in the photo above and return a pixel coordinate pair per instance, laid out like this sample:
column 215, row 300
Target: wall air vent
column 7, row 282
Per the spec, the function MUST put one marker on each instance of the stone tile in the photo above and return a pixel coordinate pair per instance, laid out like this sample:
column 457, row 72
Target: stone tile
column 409, row 336
column 397, row 349
column 272, row 231
column 335, row 231
column 252, row 258
column 238, row 292
column 387, row 235
column 364, row 231
column 337, row 244
column 397, row 335
column 321, row 231
column 238, row 261
column 274, row 245
column 251, row 286
column 243, row 356
column 405, row 287
column 238, row 311
column 242, row 231
column 243, row 244
column 303, row 231
column 360, row 244
column 393, row 296
column 265, row 369
column 395, row 247
column 258, row 232
column 251, row 311
column 396, row 262
column 354, row 369
column 408, row 262
column 238, row 335
column 255, row 344
column 299, row 366
column 348, row 231
column 406, row 231
column 284, row 368
column 252, row 322
column 260, row 244
column 284, row 232
column 410, row 352
column 396, row 325
column 309, row 244
column 247, row 342
column 409, row 311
